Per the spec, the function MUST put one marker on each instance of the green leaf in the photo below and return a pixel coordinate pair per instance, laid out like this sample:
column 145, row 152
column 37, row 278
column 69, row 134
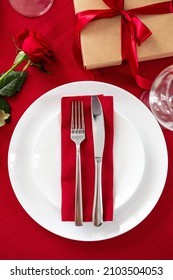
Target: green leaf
column 12, row 83
column 4, row 106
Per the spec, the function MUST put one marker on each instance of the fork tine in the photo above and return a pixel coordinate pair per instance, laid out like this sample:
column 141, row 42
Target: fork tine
column 75, row 115
column 79, row 115
column 82, row 116
column 72, row 115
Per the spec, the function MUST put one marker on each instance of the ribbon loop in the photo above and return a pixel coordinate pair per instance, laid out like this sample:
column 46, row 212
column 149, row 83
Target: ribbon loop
column 118, row 5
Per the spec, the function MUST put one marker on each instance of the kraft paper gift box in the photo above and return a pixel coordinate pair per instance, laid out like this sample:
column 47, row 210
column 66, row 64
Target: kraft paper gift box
column 101, row 39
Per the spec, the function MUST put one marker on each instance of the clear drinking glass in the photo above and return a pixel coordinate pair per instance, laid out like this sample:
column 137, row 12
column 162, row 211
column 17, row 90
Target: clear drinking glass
column 31, row 8
column 161, row 98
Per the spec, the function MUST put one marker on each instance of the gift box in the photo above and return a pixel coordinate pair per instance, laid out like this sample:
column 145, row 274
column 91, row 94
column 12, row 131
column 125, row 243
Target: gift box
column 101, row 40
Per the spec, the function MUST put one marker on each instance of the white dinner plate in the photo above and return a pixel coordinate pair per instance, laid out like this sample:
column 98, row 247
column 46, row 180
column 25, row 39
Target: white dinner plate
column 140, row 162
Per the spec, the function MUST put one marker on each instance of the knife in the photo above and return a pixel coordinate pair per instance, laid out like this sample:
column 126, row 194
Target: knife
column 99, row 142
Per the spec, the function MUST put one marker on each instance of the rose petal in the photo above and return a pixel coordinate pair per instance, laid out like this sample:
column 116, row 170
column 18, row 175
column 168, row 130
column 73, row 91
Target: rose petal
column 34, row 45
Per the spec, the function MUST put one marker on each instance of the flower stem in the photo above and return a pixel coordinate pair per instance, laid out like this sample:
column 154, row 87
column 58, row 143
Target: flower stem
column 21, row 56
column 11, row 69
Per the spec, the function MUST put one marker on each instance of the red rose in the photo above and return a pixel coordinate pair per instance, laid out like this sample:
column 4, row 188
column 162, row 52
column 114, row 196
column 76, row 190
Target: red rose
column 34, row 46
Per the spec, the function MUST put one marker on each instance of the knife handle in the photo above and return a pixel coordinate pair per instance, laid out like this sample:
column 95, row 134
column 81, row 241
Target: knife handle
column 97, row 206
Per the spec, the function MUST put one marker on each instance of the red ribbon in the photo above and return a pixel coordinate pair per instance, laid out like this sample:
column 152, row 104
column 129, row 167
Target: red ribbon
column 133, row 30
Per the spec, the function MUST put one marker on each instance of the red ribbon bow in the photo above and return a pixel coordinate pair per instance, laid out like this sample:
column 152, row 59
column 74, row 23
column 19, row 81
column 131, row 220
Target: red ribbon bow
column 133, row 30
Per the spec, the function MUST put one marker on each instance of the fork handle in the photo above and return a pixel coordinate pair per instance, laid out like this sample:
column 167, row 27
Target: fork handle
column 78, row 191
column 97, row 206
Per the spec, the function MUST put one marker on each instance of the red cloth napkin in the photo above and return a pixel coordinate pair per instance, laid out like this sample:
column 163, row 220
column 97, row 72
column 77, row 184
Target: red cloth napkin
column 68, row 160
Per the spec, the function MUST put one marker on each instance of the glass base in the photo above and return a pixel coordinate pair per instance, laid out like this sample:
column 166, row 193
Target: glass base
column 31, row 8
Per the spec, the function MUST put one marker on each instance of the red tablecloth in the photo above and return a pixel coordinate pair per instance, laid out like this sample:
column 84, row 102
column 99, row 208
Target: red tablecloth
column 20, row 236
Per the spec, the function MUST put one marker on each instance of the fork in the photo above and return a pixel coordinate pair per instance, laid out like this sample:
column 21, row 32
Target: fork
column 78, row 135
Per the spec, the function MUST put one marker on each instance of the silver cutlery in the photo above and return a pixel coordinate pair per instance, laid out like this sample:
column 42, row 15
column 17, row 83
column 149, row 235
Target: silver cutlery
column 78, row 136
column 99, row 141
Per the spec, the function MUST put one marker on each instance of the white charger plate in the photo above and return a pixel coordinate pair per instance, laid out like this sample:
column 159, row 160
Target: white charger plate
column 140, row 162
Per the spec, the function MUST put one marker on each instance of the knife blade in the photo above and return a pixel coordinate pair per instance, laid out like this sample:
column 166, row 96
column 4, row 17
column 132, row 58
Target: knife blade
column 98, row 127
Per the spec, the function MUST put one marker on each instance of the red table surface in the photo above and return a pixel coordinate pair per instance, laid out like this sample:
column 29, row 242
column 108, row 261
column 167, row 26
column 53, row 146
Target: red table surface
column 20, row 236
